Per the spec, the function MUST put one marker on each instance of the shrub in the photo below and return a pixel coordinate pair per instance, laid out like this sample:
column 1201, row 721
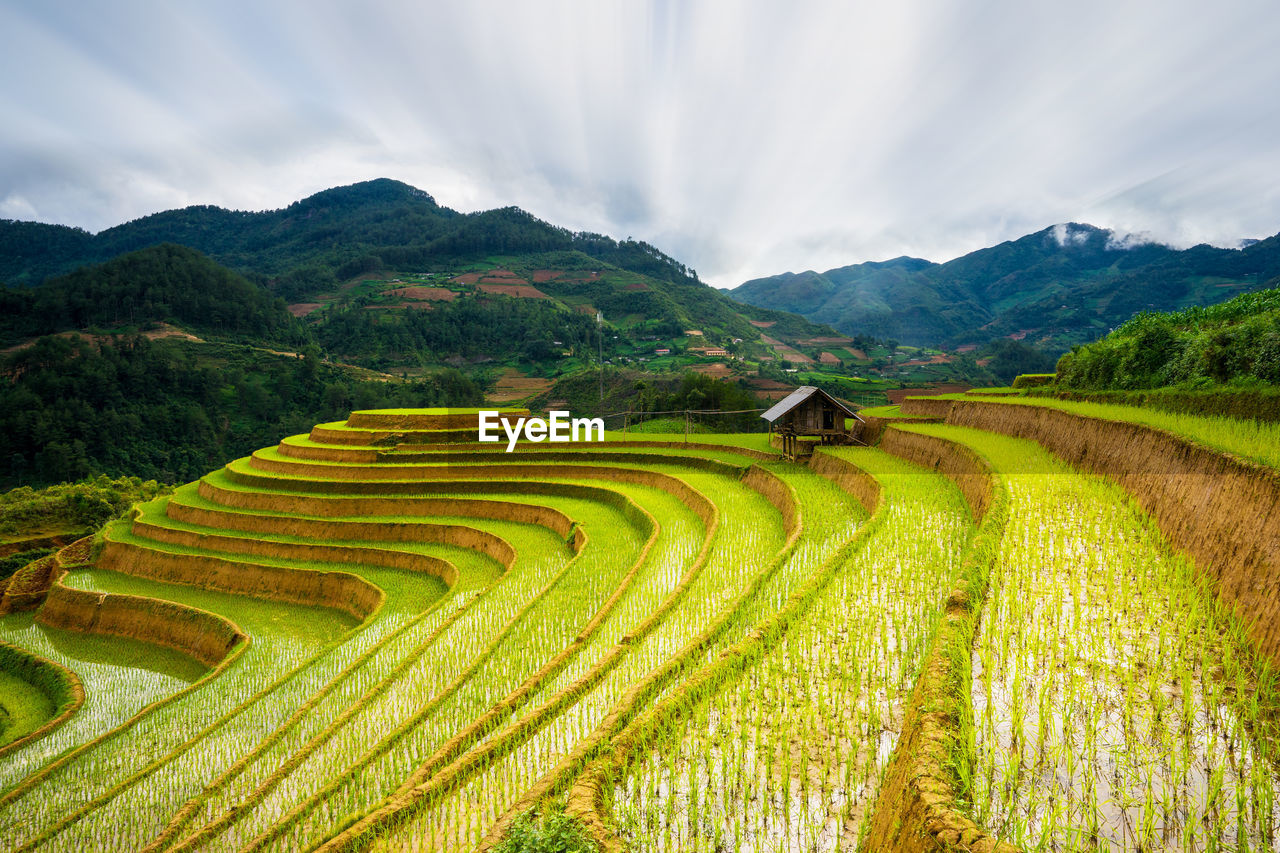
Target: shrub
column 551, row 832
column 1034, row 380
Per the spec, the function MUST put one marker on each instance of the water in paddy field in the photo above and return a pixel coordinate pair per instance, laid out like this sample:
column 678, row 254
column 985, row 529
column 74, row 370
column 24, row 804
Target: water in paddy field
column 789, row 756
column 119, row 676
column 1114, row 708
column 118, row 651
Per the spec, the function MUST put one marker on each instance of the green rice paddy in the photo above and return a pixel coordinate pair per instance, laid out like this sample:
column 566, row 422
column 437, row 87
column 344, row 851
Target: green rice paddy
column 684, row 646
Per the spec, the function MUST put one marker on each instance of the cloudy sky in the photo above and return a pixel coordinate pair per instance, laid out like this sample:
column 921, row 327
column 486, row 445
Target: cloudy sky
column 744, row 137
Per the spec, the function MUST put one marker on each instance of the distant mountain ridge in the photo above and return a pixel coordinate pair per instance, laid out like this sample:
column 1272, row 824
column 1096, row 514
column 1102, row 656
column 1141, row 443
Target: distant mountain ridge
column 328, row 240
column 1063, row 285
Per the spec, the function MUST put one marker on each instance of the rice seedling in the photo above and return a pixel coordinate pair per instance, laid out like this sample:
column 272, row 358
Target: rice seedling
column 1117, row 706
column 794, row 748
column 722, row 644
column 1258, row 441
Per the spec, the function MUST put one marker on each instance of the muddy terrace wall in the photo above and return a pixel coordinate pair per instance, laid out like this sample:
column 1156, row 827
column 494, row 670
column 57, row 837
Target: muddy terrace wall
column 60, row 684
column 369, row 556
column 377, row 531
column 411, row 466
column 927, row 407
column 918, row 808
column 329, row 507
column 339, row 591
column 960, row 464
column 776, row 492
column 1223, row 512
column 872, row 429
column 472, row 451
column 390, row 419
column 28, row 586
column 694, row 499
column 202, row 635
column 849, row 477
column 366, row 437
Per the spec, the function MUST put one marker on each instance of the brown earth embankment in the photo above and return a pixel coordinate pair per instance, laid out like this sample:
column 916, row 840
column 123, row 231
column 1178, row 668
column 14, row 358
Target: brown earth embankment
column 367, row 454
column 329, row 507
column 441, row 466
column 273, row 549
column 1222, row 511
column 918, row 809
column 969, row 471
column 849, row 477
column 481, row 479
column 27, row 587
column 391, row 419
column 927, row 407
column 590, row 455
column 341, row 591
column 327, row 453
column 872, row 429
column 776, row 491
column 382, row 437
column 197, row 633
column 456, row 535
column 608, row 446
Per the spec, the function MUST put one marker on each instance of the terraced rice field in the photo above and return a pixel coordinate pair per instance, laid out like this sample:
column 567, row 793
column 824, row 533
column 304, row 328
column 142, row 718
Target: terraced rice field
column 384, row 635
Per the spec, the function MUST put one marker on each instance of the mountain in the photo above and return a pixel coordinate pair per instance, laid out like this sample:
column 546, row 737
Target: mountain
column 168, row 345
column 319, row 249
column 330, row 227
column 1064, row 285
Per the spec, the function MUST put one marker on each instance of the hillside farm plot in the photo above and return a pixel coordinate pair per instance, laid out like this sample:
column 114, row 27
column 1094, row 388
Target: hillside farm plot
column 383, row 634
column 790, row 754
column 1116, row 706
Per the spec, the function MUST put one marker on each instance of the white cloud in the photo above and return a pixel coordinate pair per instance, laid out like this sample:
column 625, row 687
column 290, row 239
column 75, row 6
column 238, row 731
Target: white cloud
column 743, row 136
column 1066, row 236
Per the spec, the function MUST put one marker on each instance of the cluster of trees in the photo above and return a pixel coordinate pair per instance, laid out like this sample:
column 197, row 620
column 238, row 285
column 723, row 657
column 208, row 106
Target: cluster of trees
column 1011, row 358
column 161, row 283
column 620, row 391
column 171, row 410
column 468, row 328
column 1234, row 341
column 83, row 505
column 698, row 392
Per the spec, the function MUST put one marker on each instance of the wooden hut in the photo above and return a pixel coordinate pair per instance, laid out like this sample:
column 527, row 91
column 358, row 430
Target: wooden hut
column 809, row 412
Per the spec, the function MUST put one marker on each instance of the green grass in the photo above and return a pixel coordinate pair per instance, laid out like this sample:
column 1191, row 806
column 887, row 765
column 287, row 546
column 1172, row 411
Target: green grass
column 24, row 707
column 730, row 686
column 1106, row 676
column 1251, row 440
column 812, row 722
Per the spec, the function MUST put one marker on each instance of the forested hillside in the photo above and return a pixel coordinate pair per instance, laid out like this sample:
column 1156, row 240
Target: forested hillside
column 171, row 409
column 1234, row 341
column 171, row 344
column 166, row 283
column 1058, row 287
column 317, row 251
